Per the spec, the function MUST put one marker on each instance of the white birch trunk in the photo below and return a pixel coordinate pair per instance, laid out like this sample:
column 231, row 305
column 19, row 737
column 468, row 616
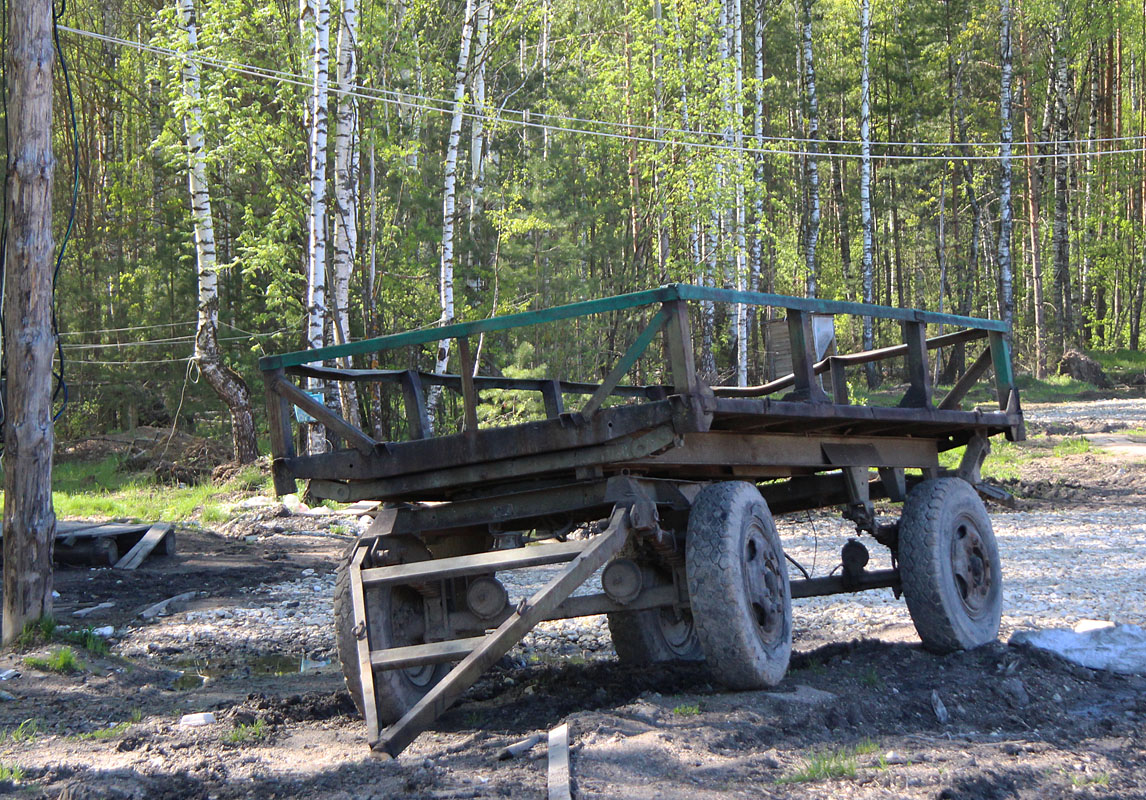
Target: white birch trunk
column 866, row 220
column 226, row 383
column 316, row 261
column 813, row 231
column 756, row 256
column 346, row 194
column 478, row 130
column 741, row 248
column 1006, row 209
column 449, row 200
column 1061, row 234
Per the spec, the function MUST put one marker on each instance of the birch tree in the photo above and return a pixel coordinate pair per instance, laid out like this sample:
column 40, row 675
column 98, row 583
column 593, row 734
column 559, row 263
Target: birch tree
column 812, row 231
column 1005, row 204
column 737, row 24
column 316, row 253
column 225, row 382
column 449, row 201
column 1061, row 233
column 866, row 220
column 346, row 166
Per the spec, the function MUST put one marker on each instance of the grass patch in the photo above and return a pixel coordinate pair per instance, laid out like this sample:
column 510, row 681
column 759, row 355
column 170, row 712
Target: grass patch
column 62, row 660
column 10, row 773
column 103, row 489
column 830, row 764
column 687, row 709
column 824, row 766
column 872, row 678
column 1072, row 446
column 36, row 631
column 1006, row 458
column 86, row 639
column 106, row 733
column 1121, row 360
column 27, row 731
column 1101, row 779
column 254, row 732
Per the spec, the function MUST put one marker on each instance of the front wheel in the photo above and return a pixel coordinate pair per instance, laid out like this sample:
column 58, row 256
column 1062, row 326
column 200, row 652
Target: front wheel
column 738, row 586
column 949, row 566
column 397, row 618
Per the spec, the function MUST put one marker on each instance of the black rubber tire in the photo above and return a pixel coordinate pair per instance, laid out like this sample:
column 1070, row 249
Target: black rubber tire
column 949, row 565
column 654, row 636
column 396, row 691
column 738, row 586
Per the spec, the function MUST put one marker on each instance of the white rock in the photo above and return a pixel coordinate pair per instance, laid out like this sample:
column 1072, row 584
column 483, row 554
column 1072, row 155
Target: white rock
column 197, row 720
column 104, row 632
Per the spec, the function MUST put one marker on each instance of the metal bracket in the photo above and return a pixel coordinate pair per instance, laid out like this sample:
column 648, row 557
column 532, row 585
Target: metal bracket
column 859, row 509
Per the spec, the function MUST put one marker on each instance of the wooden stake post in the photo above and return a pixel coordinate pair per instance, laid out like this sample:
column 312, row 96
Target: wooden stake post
column 29, row 521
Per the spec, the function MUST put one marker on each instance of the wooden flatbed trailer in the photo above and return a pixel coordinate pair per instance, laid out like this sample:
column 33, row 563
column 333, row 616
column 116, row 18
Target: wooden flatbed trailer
column 672, row 485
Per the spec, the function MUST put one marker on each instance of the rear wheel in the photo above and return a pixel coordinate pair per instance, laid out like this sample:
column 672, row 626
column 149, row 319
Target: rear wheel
column 396, row 618
column 654, row 635
column 738, row 586
column 949, row 564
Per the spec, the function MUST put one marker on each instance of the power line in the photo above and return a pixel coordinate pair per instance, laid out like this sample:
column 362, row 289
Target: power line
column 131, row 328
column 137, row 363
column 167, row 342
column 445, row 107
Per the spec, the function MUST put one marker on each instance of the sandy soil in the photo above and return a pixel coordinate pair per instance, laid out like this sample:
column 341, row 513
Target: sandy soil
column 255, row 649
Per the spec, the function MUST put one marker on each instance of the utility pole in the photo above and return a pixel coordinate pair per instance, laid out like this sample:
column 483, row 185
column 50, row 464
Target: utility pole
column 29, row 521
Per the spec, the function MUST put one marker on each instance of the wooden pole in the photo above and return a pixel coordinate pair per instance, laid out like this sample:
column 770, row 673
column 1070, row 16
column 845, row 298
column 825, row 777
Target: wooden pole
column 29, row 521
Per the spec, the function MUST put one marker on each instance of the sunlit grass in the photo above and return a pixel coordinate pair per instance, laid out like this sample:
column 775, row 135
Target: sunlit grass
column 1006, row 458
column 103, row 490
column 62, row 659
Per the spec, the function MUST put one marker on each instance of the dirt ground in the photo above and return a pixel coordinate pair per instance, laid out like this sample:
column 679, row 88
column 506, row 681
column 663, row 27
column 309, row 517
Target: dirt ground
column 1019, row 724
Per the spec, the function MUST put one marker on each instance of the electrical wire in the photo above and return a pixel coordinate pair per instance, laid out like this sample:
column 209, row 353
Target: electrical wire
column 131, row 328
column 61, row 382
column 444, row 106
column 164, row 342
column 137, row 363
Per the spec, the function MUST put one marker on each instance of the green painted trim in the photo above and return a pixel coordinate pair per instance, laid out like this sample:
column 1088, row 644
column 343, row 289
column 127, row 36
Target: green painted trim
column 818, row 306
column 426, row 335
column 664, row 294
column 626, row 362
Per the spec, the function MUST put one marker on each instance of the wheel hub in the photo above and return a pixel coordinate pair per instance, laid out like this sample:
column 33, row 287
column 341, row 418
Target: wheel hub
column 971, row 567
column 763, row 583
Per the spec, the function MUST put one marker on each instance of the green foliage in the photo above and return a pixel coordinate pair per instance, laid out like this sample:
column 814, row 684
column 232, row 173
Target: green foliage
column 95, row 489
column 36, row 631
column 824, row 766
column 27, row 731
column 11, row 773
column 254, row 732
column 102, row 734
column 565, row 214
column 86, row 639
column 872, row 678
column 687, row 709
column 62, row 659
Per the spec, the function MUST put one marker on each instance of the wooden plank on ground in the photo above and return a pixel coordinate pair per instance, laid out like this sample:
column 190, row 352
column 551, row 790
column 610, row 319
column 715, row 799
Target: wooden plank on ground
column 559, row 788
column 135, row 556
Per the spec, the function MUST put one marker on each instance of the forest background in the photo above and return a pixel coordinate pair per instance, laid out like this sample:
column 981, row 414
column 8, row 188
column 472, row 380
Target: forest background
column 492, row 156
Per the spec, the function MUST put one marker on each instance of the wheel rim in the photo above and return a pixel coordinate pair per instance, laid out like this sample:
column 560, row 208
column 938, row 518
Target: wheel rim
column 407, row 627
column 972, row 570
column 677, row 632
column 764, row 584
